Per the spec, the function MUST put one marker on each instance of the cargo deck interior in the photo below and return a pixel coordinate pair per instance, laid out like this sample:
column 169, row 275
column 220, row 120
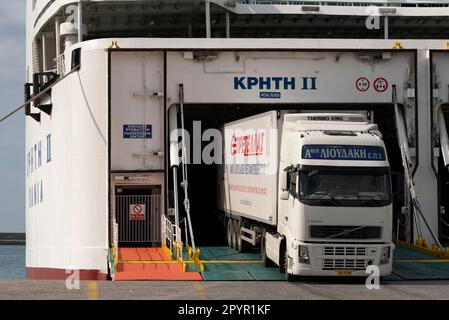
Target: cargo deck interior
column 224, row 263
column 209, row 231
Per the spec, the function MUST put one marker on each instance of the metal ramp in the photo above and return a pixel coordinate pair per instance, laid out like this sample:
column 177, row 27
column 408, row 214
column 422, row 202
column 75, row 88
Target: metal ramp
column 227, row 264
column 409, row 264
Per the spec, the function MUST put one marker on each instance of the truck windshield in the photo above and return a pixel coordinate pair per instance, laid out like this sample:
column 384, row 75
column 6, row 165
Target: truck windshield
column 345, row 186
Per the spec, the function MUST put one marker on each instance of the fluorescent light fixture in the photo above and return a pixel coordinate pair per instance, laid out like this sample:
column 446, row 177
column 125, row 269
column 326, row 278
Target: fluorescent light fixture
column 310, row 8
column 387, row 10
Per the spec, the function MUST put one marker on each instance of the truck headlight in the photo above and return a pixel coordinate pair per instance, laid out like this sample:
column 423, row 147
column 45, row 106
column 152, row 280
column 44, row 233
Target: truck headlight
column 304, row 255
column 385, row 255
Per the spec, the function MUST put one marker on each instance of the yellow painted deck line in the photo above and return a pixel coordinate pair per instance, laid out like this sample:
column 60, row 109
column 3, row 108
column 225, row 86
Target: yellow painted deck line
column 259, row 261
column 231, row 261
column 200, row 290
column 92, row 291
column 148, row 261
column 422, row 260
column 190, row 261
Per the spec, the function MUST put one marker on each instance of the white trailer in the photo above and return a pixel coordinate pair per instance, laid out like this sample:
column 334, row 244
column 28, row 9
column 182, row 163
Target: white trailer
column 249, row 152
column 320, row 201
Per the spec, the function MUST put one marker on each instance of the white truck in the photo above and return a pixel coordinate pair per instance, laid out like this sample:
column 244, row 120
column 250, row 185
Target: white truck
column 313, row 189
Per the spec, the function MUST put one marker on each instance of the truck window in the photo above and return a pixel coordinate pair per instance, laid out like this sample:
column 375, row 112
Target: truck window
column 345, row 186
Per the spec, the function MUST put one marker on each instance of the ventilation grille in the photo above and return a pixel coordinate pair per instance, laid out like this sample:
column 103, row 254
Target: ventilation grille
column 344, row 264
column 344, row 251
column 363, row 233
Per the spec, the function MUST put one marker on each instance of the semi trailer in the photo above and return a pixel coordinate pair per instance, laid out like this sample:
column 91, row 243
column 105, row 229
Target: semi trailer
column 312, row 189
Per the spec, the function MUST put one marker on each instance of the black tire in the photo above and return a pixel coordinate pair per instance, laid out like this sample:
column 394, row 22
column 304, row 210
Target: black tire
column 234, row 235
column 282, row 259
column 289, row 277
column 229, row 228
column 265, row 260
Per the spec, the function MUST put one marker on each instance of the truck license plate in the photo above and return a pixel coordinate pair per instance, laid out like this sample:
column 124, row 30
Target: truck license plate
column 344, row 272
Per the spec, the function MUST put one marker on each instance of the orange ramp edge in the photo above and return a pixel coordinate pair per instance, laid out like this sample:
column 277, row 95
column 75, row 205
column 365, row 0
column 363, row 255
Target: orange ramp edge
column 127, row 271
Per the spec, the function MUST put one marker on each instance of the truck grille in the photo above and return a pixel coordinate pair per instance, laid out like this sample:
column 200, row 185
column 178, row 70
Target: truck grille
column 344, row 251
column 365, row 232
column 344, row 264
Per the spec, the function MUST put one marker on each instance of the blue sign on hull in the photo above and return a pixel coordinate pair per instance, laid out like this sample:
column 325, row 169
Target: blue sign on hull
column 137, row 131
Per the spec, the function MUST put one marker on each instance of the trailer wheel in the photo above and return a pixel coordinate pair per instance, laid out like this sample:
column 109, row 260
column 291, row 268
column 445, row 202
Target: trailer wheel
column 229, row 229
column 234, row 235
column 263, row 252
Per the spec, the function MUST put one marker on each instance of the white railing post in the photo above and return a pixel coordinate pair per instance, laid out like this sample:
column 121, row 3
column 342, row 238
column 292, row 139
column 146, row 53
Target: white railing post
column 60, row 64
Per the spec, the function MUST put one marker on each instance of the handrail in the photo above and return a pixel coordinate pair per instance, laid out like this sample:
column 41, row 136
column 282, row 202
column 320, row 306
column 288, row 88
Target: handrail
column 60, row 64
column 172, row 241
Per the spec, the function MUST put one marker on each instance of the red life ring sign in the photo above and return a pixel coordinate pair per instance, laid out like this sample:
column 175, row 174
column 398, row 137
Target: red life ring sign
column 137, row 212
column 362, row 84
column 381, row 85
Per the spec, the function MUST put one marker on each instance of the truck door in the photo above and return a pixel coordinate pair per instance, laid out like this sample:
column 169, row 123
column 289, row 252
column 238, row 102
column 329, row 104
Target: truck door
column 289, row 205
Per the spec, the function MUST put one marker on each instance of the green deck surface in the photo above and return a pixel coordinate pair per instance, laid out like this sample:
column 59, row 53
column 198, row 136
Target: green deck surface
column 252, row 269
column 226, row 253
column 240, row 271
column 405, row 253
column 422, row 271
column 416, row 270
column 236, row 271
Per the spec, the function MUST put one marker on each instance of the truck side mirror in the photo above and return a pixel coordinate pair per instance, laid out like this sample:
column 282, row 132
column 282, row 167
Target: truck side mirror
column 284, row 183
column 284, row 195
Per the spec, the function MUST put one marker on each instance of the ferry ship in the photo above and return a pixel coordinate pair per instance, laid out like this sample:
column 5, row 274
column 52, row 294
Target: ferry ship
column 103, row 77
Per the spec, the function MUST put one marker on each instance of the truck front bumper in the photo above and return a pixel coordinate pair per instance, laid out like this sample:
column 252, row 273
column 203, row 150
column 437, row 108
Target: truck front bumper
column 340, row 260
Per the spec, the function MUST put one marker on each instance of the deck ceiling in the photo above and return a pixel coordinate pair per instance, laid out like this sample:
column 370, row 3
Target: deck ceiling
column 177, row 18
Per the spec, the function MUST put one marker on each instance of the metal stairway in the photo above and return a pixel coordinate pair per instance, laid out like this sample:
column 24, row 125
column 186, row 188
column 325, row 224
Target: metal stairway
column 150, row 264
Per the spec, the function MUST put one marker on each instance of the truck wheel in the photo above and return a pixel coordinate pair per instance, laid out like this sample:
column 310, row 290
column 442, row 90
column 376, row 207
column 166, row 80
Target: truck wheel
column 234, row 235
column 282, row 258
column 229, row 228
column 289, row 277
column 265, row 260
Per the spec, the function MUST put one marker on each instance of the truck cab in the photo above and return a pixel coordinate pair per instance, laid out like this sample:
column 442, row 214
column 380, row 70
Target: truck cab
column 335, row 198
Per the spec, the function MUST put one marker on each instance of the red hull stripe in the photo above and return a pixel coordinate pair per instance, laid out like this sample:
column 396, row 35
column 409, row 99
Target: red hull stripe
column 60, row 274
